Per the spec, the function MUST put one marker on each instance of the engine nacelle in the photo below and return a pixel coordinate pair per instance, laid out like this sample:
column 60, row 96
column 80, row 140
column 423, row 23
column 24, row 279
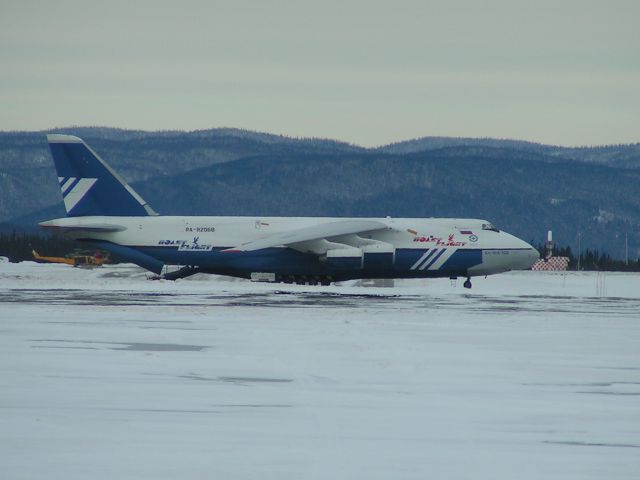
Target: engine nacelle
column 374, row 256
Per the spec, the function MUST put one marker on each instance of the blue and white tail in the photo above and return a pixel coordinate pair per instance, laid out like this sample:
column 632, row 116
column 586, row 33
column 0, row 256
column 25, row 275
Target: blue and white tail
column 89, row 186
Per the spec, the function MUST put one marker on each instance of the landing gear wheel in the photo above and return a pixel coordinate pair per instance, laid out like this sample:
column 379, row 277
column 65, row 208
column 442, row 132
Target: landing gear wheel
column 467, row 283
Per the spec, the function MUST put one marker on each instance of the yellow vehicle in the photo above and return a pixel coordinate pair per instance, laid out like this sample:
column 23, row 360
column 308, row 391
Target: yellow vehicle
column 78, row 259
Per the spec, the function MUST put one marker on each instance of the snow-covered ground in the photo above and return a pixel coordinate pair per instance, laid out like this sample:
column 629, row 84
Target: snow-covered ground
column 105, row 374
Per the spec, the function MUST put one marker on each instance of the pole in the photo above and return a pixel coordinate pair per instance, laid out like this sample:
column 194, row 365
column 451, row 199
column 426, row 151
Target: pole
column 626, row 249
column 579, row 249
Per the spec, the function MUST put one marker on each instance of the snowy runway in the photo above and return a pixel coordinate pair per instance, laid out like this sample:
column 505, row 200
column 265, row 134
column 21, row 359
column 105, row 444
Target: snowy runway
column 104, row 374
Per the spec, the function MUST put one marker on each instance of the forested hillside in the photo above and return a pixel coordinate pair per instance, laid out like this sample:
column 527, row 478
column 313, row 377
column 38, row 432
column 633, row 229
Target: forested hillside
column 525, row 188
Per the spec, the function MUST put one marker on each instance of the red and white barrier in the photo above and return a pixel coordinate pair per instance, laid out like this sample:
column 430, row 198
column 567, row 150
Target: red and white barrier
column 551, row 263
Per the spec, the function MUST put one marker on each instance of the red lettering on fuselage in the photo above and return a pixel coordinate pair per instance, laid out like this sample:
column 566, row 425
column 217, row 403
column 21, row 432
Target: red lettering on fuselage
column 440, row 242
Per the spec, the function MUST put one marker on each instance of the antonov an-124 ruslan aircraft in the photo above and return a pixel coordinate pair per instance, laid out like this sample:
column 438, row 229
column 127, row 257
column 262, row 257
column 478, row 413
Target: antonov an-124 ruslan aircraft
column 103, row 210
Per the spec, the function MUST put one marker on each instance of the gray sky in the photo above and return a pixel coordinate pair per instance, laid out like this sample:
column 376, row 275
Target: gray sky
column 368, row 72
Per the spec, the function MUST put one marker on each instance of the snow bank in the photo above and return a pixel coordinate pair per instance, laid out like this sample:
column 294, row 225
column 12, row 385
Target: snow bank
column 105, row 374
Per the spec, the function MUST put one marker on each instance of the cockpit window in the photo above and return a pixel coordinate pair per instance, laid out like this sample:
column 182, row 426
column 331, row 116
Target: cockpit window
column 488, row 226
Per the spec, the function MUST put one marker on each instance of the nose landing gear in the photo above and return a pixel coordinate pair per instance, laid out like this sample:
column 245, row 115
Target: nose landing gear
column 467, row 283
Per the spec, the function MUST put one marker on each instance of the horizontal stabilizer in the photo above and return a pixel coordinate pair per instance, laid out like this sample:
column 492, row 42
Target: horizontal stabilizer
column 64, row 225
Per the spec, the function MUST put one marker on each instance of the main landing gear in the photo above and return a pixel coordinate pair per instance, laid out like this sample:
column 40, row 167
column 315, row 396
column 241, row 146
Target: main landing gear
column 305, row 280
column 467, row 283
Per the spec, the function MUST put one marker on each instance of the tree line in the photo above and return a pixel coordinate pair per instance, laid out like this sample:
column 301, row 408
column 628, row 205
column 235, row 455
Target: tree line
column 593, row 260
column 18, row 246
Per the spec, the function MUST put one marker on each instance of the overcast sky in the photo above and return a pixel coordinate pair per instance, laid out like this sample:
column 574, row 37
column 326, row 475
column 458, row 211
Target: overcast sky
column 367, row 72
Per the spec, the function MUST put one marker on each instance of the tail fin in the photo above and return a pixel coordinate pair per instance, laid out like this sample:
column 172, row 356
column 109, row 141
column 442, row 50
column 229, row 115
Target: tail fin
column 89, row 186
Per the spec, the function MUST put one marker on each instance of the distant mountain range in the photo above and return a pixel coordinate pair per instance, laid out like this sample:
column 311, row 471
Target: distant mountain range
column 526, row 188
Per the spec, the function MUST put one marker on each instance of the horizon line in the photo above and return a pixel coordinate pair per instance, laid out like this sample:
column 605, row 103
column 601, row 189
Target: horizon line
column 292, row 137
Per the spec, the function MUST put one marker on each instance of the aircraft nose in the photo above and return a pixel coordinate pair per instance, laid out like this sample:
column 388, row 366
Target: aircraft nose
column 534, row 256
column 528, row 256
column 524, row 255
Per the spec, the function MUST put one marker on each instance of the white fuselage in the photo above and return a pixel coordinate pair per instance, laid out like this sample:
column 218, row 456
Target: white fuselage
column 166, row 237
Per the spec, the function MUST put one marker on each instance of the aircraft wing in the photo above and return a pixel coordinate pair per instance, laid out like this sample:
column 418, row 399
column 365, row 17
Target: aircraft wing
column 315, row 232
